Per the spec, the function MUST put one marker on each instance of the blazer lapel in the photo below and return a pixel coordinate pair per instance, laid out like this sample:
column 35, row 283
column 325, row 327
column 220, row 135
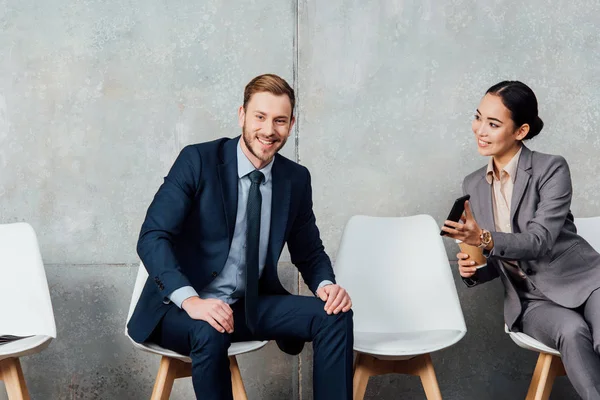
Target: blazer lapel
column 521, row 180
column 280, row 206
column 228, row 176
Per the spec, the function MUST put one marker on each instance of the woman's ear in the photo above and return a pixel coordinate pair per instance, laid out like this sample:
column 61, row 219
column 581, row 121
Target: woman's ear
column 522, row 132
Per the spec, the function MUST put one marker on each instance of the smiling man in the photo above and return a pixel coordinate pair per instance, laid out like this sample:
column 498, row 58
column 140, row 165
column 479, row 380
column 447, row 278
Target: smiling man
column 211, row 241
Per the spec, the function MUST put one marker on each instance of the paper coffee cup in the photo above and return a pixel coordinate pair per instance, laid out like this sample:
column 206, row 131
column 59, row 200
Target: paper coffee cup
column 475, row 253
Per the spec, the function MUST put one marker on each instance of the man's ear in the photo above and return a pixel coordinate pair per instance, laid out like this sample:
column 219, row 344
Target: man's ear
column 241, row 116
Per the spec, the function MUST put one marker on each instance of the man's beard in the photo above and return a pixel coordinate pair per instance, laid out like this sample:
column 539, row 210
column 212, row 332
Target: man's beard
column 261, row 156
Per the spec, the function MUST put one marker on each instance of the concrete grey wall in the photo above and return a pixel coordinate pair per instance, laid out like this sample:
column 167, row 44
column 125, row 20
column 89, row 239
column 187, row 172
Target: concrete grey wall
column 97, row 98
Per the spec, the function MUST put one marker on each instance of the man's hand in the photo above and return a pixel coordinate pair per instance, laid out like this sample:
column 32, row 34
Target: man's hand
column 336, row 298
column 216, row 312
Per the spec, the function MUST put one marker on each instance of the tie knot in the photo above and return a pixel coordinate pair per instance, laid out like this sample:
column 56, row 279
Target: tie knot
column 256, row 177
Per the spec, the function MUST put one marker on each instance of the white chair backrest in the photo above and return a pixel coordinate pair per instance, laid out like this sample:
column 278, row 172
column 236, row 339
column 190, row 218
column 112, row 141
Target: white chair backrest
column 140, row 281
column 589, row 229
column 397, row 273
column 25, row 305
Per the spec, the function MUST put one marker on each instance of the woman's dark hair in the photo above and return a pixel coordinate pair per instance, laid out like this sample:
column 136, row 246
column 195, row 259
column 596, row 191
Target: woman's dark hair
column 522, row 104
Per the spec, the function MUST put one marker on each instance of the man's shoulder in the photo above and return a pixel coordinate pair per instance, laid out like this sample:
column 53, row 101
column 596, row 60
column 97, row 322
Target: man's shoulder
column 292, row 168
column 207, row 147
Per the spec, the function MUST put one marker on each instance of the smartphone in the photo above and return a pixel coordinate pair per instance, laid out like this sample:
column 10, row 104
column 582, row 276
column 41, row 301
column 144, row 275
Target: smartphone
column 457, row 210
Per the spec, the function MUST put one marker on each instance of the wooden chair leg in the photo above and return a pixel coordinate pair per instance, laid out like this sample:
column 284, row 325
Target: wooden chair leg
column 428, row 378
column 362, row 372
column 548, row 367
column 366, row 366
column 12, row 375
column 237, row 385
column 165, row 378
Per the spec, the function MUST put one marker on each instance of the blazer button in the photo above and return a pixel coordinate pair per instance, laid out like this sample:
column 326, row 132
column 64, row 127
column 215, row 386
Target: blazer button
column 502, row 252
column 529, row 271
column 214, row 273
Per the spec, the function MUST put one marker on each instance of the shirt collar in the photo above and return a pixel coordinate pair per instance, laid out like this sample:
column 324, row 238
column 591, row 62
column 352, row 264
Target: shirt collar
column 510, row 169
column 245, row 166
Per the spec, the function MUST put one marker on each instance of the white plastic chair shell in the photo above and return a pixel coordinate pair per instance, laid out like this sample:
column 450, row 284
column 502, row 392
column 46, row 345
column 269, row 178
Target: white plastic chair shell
column 234, row 349
column 397, row 273
column 589, row 229
column 26, row 308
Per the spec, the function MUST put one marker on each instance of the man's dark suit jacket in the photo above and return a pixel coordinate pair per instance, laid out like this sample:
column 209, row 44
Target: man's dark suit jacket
column 187, row 233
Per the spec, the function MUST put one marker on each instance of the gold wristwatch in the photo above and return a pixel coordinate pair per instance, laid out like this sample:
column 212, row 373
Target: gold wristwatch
column 486, row 238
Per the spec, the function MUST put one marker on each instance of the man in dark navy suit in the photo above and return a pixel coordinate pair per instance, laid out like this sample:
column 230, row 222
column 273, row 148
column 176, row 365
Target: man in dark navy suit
column 211, row 241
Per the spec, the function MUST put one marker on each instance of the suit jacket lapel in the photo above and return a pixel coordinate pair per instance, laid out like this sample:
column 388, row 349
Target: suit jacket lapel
column 521, row 180
column 280, row 206
column 228, row 176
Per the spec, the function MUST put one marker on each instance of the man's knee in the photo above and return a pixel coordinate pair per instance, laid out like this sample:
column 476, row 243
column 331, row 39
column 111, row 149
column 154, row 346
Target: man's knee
column 206, row 339
column 342, row 321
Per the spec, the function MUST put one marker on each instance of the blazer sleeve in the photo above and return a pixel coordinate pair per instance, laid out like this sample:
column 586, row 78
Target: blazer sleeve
column 164, row 221
column 555, row 192
column 305, row 245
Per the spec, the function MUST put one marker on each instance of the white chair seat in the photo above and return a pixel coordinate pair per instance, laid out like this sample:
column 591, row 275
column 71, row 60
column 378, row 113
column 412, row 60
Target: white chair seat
column 23, row 347
column 527, row 342
column 234, row 349
column 399, row 345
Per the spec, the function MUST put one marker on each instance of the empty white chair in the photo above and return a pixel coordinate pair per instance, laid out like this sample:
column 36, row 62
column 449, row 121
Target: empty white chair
column 403, row 295
column 174, row 365
column 26, row 309
column 549, row 364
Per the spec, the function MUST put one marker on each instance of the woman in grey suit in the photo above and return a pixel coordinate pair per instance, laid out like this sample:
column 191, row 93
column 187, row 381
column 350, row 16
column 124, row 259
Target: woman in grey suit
column 519, row 213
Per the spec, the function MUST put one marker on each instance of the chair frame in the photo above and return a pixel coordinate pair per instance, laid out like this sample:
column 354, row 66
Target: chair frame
column 14, row 380
column 367, row 365
column 172, row 368
column 547, row 369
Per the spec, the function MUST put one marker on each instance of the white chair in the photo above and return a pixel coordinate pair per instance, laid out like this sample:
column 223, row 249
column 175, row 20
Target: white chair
column 405, row 303
column 26, row 309
column 549, row 365
column 174, row 365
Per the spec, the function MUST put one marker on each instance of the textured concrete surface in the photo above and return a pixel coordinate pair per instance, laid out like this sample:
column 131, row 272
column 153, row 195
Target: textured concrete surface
column 97, row 98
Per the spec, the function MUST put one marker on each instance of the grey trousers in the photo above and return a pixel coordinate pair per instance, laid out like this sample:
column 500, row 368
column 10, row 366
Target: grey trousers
column 575, row 333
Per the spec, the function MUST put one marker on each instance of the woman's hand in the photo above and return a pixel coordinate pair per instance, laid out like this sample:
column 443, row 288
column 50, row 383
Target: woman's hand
column 466, row 266
column 466, row 229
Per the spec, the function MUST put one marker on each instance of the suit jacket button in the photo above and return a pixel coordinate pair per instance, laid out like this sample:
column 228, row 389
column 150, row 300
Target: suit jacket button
column 529, row 271
column 214, row 273
column 502, row 252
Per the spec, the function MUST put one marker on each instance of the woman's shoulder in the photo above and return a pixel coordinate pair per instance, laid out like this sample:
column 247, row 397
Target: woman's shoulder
column 475, row 176
column 544, row 161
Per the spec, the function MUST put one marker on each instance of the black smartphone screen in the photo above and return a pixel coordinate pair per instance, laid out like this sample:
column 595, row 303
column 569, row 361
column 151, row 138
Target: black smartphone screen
column 457, row 210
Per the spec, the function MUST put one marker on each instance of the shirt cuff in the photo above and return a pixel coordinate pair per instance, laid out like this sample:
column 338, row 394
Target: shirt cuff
column 324, row 283
column 182, row 294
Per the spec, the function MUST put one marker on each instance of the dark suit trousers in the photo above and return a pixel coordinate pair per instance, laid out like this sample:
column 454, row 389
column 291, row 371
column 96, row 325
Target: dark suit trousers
column 575, row 333
column 279, row 317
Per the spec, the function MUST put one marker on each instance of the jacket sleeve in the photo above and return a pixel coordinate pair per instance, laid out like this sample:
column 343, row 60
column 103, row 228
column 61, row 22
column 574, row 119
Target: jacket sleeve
column 305, row 245
column 164, row 221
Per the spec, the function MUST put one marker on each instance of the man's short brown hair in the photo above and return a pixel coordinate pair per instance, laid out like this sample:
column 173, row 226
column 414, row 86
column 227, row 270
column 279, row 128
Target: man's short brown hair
column 269, row 83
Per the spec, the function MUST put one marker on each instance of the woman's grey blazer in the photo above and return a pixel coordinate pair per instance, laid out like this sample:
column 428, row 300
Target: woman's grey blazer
column 560, row 263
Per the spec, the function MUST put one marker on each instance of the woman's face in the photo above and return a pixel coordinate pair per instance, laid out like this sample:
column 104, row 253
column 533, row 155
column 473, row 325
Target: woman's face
column 495, row 130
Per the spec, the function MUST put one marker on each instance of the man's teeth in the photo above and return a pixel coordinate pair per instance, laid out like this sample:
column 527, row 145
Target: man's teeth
column 267, row 142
